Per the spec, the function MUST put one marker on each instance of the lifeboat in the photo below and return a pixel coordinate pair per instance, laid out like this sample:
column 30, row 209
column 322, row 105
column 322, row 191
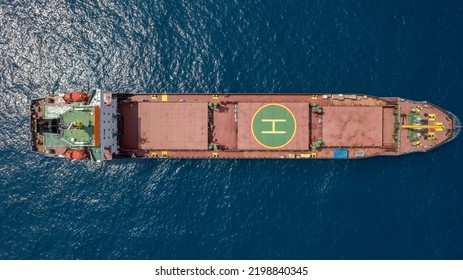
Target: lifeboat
column 76, row 154
column 76, row 97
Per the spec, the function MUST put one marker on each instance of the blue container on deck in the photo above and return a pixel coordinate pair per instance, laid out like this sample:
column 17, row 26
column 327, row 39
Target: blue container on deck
column 340, row 153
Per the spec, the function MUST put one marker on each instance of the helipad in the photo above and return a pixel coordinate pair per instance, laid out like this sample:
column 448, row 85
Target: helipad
column 261, row 126
column 273, row 126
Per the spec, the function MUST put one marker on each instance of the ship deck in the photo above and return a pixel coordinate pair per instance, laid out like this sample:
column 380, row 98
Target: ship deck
column 353, row 126
column 239, row 126
column 431, row 115
column 266, row 126
column 250, row 126
column 172, row 126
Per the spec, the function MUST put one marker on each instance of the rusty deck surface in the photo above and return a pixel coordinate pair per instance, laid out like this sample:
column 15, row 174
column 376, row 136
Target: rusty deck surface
column 129, row 136
column 388, row 127
column 353, row 126
column 178, row 126
column 185, row 126
column 225, row 126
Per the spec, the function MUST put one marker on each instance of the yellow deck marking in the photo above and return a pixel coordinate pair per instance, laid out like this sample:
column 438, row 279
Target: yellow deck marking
column 273, row 131
column 215, row 155
column 154, row 96
column 414, row 126
column 164, row 97
column 164, row 153
column 215, row 96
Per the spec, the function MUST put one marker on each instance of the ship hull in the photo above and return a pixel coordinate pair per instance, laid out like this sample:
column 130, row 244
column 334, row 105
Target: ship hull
column 252, row 126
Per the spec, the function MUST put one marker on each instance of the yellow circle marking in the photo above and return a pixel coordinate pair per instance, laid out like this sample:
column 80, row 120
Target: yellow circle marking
column 292, row 115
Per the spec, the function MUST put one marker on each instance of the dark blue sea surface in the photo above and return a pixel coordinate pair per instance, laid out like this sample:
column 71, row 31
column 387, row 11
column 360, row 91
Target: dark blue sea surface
column 408, row 207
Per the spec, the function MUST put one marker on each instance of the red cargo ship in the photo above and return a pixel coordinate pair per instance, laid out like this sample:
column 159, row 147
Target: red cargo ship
column 102, row 126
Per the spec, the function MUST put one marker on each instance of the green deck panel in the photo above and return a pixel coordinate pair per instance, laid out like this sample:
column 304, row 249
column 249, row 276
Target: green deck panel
column 96, row 153
column 79, row 135
column 85, row 135
column 55, row 111
column 273, row 126
column 85, row 117
column 412, row 118
column 54, row 140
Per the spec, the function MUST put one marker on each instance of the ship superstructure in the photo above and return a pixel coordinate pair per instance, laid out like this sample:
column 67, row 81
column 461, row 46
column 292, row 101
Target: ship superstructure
column 101, row 126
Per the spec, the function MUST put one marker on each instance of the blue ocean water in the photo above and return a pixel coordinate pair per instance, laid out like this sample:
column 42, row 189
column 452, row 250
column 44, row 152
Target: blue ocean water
column 408, row 207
